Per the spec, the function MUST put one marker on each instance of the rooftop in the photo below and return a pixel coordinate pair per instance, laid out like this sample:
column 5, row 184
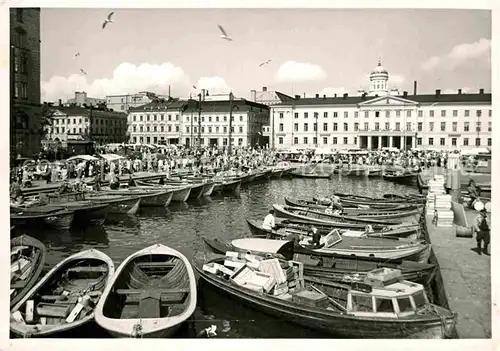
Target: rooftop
column 82, row 111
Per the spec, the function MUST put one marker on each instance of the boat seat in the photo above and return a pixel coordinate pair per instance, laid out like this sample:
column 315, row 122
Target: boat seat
column 149, row 304
column 167, row 296
column 97, row 269
column 18, row 285
column 154, row 264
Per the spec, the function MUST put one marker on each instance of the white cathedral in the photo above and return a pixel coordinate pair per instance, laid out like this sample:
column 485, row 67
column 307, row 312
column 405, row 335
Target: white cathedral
column 379, row 79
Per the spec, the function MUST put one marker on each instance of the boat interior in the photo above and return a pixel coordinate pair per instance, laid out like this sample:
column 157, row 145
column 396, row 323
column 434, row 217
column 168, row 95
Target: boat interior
column 70, row 294
column 23, row 261
column 153, row 286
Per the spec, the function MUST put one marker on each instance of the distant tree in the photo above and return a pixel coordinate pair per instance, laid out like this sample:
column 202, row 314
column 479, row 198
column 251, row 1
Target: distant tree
column 46, row 115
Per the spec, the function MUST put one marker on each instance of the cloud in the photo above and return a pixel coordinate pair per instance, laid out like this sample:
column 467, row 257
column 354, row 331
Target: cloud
column 128, row 78
column 461, row 54
column 215, row 85
column 465, row 90
column 291, row 71
column 330, row 91
column 396, row 80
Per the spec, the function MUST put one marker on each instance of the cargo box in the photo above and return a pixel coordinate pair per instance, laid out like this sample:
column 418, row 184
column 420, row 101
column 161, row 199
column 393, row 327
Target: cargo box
column 310, row 298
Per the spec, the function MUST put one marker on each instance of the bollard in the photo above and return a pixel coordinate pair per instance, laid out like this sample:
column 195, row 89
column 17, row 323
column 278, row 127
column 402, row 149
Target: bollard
column 455, row 185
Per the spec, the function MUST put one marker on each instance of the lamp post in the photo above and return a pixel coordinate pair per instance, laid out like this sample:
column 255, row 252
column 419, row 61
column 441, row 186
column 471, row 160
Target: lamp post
column 272, row 127
column 316, row 116
column 230, row 123
column 200, row 96
column 191, row 143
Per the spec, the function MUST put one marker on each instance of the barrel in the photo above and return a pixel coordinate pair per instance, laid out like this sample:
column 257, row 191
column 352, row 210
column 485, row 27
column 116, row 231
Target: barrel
column 463, row 232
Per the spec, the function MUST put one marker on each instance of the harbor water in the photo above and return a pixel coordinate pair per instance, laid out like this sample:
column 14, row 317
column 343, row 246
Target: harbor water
column 182, row 226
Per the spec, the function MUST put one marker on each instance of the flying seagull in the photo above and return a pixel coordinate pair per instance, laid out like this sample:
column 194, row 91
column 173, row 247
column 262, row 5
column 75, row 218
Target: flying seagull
column 265, row 63
column 83, row 71
column 108, row 20
column 224, row 34
column 77, row 54
column 194, row 86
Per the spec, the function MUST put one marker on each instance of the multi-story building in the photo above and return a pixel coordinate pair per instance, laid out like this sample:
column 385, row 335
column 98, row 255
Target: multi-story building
column 25, row 108
column 81, row 99
column 184, row 122
column 80, row 123
column 378, row 119
column 122, row 103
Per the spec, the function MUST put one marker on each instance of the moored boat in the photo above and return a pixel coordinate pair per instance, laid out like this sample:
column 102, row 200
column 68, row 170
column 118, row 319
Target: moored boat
column 27, row 258
column 118, row 204
column 56, row 217
column 392, row 309
column 149, row 197
column 65, row 297
column 180, row 192
column 300, row 173
column 277, row 173
column 151, row 294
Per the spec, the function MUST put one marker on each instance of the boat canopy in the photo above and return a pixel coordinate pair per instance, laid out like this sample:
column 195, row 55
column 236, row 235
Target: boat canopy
column 283, row 247
column 111, row 157
column 83, row 157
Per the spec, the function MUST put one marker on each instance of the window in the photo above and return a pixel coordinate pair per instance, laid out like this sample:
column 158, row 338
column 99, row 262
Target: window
column 295, row 127
column 356, row 126
column 377, row 113
column 316, row 115
column 489, row 141
column 478, row 113
column 478, row 141
column 241, row 118
column 419, row 126
column 443, row 126
column 315, row 127
column 361, row 303
column 334, row 141
column 367, row 114
column 355, row 114
column 240, row 129
column 408, row 125
column 489, row 126
column 306, row 115
column 398, row 113
column 404, row 304
column 383, row 305
column 455, row 113
column 431, row 126
column 295, row 140
column 398, row 127
column 280, row 129
column 225, row 129
column 356, row 140
column 315, row 140
column 466, row 126
column 19, row 15
column 162, row 118
column 419, row 299
column 431, row 141
column 225, row 118
column 345, row 140
column 377, row 126
column 305, row 140
column 420, row 113
column 281, row 116
column 325, row 114
column 335, row 115
column 453, row 141
column 387, row 113
column 154, row 128
column 387, row 126
column 442, row 142
column 419, row 141
column 466, row 141
column 325, row 127
column 366, row 126
column 280, row 140
column 296, row 115
column 431, row 113
column 443, row 113
column 478, row 126
column 335, row 127
column 346, row 114
column 306, row 127
column 408, row 113
column 454, row 126
column 170, row 118
column 325, row 140
column 466, row 113
column 346, row 127
column 217, row 129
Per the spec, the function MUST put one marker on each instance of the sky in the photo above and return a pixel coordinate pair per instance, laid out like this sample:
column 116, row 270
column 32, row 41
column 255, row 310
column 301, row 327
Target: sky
column 312, row 51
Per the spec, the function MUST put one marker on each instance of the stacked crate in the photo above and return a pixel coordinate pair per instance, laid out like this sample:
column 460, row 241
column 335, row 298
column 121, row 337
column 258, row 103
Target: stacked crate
column 436, row 187
column 444, row 214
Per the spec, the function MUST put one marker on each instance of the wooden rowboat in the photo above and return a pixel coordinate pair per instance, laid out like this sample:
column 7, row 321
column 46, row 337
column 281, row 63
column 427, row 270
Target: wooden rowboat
column 56, row 217
column 315, row 175
column 277, row 173
column 27, row 258
column 149, row 197
column 118, row 204
column 180, row 192
column 341, row 268
column 65, row 297
column 152, row 293
column 403, row 308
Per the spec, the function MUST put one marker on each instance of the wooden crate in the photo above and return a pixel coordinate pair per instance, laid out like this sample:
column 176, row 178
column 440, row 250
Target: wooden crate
column 310, row 298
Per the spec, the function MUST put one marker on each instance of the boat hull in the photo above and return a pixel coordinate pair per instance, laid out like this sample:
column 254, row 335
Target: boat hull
column 208, row 188
column 119, row 204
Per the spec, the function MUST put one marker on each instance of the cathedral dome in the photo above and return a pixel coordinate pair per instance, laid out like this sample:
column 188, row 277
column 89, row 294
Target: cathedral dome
column 379, row 70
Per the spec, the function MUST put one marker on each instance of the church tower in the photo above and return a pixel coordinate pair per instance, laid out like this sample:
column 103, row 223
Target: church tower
column 378, row 81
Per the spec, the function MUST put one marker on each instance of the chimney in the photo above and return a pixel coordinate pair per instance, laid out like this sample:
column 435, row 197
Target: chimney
column 335, row 95
column 317, row 96
column 459, row 91
column 304, row 95
column 363, row 96
column 253, row 95
column 297, row 96
column 438, row 92
column 481, row 91
column 60, row 102
column 345, row 95
column 264, row 88
column 405, row 93
column 415, row 88
column 324, row 96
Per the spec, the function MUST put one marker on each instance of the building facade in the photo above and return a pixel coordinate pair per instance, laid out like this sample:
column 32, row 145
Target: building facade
column 122, row 103
column 184, row 122
column 379, row 119
column 81, row 99
column 79, row 123
column 25, row 108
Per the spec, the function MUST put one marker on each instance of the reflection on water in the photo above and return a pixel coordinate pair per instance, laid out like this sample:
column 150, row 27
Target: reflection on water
column 182, row 225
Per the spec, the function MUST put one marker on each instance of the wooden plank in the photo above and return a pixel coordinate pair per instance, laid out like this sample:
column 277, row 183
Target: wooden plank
column 52, row 310
column 77, row 309
column 18, row 249
column 140, row 291
column 43, row 320
column 99, row 269
column 30, row 305
column 149, row 305
column 154, row 264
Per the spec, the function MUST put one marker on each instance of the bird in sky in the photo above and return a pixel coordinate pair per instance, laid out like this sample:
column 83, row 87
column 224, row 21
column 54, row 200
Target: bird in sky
column 107, row 20
column 224, row 34
column 194, row 86
column 265, row 63
column 83, row 71
column 77, row 54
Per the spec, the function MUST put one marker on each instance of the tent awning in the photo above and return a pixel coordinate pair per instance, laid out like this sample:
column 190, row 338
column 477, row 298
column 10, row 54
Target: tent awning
column 83, row 157
column 111, row 157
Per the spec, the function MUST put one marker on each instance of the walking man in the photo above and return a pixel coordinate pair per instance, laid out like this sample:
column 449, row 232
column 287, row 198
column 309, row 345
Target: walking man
column 482, row 229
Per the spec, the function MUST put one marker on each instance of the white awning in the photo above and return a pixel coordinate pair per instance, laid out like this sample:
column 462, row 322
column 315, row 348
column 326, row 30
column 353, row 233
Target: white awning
column 111, row 157
column 83, row 157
